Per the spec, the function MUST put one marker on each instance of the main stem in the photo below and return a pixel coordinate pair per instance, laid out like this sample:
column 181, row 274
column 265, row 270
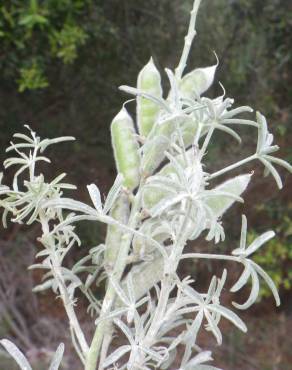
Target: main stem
column 167, row 282
column 121, row 261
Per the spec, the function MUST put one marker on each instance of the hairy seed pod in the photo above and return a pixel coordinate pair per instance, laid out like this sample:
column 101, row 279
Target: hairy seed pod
column 126, row 148
column 159, row 140
column 189, row 128
column 145, row 276
column 198, row 81
column 149, row 81
column 120, row 212
column 152, row 196
column 235, row 186
column 153, row 154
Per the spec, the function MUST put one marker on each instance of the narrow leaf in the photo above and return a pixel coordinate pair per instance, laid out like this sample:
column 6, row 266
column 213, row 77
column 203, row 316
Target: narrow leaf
column 95, row 196
column 57, row 359
column 16, row 354
column 116, row 355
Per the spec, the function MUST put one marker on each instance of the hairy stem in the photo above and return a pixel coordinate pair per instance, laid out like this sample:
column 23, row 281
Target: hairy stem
column 167, row 283
column 120, row 264
column 74, row 323
column 188, row 41
column 232, row 166
column 210, row 256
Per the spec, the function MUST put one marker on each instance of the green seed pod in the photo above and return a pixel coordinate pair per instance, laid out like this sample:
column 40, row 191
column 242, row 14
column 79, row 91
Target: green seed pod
column 153, row 154
column 145, row 276
column 152, row 196
column 198, row 81
column 235, row 186
column 147, row 111
column 126, row 148
column 119, row 212
column 189, row 128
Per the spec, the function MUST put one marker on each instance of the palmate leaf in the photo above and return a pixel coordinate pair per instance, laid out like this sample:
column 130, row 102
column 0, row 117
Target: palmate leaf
column 265, row 148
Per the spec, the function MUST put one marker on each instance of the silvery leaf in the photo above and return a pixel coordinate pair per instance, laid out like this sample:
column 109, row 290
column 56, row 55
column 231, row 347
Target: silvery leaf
column 268, row 280
column 229, row 315
column 243, row 279
column 116, row 355
column 16, row 354
column 166, row 203
column 235, row 186
column 113, row 193
column 258, row 242
column 199, row 359
column 57, row 359
column 73, row 205
column 204, row 367
column 212, row 326
column 125, row 330
column 95, row 196
column 273, row 172
column 253, row 294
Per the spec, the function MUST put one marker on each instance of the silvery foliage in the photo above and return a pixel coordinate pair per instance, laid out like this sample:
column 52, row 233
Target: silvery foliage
column 23, row 362
column 155, row 310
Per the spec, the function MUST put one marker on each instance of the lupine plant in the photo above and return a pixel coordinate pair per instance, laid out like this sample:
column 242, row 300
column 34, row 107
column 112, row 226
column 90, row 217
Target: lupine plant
column 163, row 197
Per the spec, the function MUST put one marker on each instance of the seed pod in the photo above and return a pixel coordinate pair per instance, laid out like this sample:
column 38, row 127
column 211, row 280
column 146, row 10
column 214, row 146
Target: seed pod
column 158, row 142
column 153, row 154
column 235, row 186
column 152, row 196
column 147, row 111
column 145, row 276
column 189, row 128
column 120, row 212
column 126, row 148
column 198, row 81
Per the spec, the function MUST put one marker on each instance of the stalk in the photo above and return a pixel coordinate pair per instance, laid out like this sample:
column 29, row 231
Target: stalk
column 232, row 166
column 74, row 323
column 120, row 264
column 166, row 283
column 188, row 41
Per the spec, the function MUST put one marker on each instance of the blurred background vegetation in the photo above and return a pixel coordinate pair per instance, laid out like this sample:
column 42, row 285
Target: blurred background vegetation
column 61, row 62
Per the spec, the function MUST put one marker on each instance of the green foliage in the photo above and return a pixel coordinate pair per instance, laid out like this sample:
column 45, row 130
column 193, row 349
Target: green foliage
column 276, row 258
column 32, row 77
column 34, row 35
column 65, row 43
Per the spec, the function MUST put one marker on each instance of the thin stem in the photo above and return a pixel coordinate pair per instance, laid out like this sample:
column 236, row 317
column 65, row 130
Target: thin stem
column 232, row 166
column 74, row 323
column 188, row 41
column 167, row 283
